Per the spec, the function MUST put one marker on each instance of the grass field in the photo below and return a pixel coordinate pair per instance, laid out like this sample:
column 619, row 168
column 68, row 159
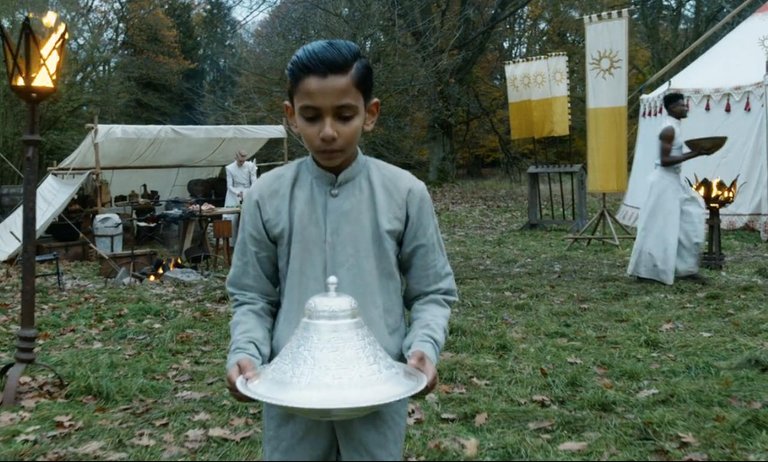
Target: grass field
column 554, row 354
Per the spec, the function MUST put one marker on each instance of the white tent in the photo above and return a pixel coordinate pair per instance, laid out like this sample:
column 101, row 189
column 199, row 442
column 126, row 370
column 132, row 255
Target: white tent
column 163, row 157
column 726, row 90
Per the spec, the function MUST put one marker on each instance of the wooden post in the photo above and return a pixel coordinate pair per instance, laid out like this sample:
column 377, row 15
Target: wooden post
column 97, row 162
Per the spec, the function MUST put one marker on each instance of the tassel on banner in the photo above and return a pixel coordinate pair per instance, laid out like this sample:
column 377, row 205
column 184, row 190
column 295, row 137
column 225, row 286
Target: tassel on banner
column 661, row 110
column 707, row 108
column 645, row 108
column 728, row 104
column 688, row 103
column 747, row 107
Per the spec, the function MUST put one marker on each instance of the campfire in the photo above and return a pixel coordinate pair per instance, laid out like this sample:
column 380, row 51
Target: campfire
column 716, row 195
column 161, row 266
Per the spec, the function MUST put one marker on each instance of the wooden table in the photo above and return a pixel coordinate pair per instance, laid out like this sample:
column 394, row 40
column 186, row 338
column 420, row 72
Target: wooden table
column 201, row 220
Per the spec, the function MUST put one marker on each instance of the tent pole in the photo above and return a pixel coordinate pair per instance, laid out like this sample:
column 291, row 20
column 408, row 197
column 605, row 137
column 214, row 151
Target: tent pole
column 690, row 48
column 97, row 162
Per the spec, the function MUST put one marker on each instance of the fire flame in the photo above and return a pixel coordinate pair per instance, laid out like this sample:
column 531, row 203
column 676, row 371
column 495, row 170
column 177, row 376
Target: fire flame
column 715, row 193
column 49, row 54
column 162, row 266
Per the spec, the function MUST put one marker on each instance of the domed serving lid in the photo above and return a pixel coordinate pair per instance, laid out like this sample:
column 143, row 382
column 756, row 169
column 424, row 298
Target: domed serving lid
column 332, row 367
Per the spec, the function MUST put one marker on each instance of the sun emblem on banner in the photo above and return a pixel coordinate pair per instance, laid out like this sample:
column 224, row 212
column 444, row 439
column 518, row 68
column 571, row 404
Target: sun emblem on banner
column 539, row 79
column 763, row 42
column 514, row 83
column 526, row 81
column 559, row 77
column 605, row 63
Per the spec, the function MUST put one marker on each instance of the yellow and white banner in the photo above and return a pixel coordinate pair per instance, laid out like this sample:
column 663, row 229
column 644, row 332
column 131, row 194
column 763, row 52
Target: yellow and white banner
column 607, row 62
column 537, row 92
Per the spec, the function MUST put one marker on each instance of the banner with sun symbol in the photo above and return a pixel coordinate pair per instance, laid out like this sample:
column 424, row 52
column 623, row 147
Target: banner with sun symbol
column 606, row 73
column 537, row 92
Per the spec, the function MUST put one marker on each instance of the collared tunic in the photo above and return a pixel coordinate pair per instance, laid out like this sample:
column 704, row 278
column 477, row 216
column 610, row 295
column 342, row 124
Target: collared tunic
column 373, row 226
column 670, row 230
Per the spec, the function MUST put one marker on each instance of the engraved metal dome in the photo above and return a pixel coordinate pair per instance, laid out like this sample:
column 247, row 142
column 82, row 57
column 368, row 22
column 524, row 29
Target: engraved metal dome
column 332, row 367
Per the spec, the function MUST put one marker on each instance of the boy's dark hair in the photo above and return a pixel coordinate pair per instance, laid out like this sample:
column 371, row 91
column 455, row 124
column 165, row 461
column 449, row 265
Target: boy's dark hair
column 672, row 98
column 330, row 57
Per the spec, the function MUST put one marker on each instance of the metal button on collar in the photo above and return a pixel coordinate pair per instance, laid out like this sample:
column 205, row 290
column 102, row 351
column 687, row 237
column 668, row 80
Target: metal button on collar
column 334, row 192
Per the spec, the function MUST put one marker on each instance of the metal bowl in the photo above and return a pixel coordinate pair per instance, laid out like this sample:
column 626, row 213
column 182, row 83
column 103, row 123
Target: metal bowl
column 707, row 145
column 332, row 367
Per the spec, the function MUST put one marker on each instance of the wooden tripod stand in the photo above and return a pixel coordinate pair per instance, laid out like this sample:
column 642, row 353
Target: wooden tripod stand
column 605, row 218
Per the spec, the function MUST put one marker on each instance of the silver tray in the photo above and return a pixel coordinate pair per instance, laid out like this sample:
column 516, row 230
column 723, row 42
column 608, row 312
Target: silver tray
column 335, row 401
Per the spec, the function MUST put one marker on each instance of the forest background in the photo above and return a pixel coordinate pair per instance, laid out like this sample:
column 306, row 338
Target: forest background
column 439, row 69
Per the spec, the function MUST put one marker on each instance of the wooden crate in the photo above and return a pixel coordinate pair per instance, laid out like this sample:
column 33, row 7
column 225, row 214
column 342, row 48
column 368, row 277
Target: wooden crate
column 138, row 258
column 78, row 250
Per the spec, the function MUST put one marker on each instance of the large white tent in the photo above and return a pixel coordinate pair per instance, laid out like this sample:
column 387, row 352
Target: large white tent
column 162, row 157
column 726, row 90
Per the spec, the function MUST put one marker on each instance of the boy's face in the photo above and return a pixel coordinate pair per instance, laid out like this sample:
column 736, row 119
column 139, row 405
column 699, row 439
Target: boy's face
column 330, row 116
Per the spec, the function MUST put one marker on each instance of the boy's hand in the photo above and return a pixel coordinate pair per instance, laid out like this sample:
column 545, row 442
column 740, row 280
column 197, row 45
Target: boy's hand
column 245, row 368
column 421, row 361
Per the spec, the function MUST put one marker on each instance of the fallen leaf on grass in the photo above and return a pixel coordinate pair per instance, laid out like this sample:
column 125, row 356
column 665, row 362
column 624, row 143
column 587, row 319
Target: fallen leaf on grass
column 646, row 393
column 223, row 433
column 695, row 456
column 688, row 439
column 672, row 325
column 203, row 416
column 143, row 440
column 605, row 382
column 449, row 389
column 449, row 417
column 415, row 414
column 467, row 446
column 480, row 383
column 191, row 395
column 161, row 422
column 538, row 425
column 541, row 400
column 481, row 419
column 92, row 449
column 574, row 360
column 197, row 434
column 573, row 446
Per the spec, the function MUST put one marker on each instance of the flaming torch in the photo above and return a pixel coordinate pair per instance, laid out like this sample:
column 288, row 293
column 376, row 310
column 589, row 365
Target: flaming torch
column 33, row 65
column 716, row 195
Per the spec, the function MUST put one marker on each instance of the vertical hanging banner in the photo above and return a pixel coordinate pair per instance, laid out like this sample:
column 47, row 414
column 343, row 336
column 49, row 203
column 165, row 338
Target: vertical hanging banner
column 606, row 73
column 537, row 92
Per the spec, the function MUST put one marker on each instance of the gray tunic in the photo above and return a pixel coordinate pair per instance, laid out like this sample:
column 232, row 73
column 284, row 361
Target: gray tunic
column 373, row 227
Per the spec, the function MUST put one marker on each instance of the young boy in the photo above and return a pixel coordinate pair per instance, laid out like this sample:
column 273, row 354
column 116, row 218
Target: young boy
column 337, row 212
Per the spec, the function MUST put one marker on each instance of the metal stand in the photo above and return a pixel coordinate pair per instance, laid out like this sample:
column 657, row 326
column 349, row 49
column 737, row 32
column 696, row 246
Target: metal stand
column 713, row 258
column 27, row 333
column 604, row 217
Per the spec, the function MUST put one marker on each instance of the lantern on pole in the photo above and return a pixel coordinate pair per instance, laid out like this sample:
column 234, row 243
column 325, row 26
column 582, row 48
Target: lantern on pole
column 33, row 64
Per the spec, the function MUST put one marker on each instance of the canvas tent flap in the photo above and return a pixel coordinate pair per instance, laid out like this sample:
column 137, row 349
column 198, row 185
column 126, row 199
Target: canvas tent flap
column 53, row 195
column 726, row 93
column 164, row 157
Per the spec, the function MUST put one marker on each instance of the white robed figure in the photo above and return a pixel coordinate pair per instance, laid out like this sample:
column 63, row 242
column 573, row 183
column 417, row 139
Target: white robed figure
column 241, row 174
column 670, row 230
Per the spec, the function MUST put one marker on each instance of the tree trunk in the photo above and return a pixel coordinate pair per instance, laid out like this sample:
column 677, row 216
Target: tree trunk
column 442, row 166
